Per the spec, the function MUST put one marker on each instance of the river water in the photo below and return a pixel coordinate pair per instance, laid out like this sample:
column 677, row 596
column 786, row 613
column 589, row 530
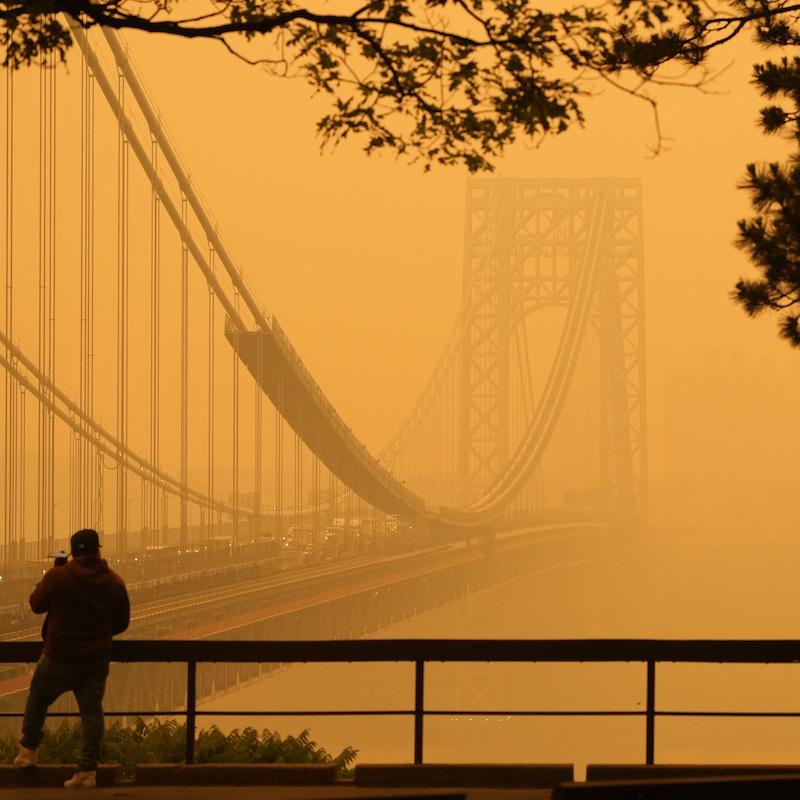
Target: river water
column 664, row 583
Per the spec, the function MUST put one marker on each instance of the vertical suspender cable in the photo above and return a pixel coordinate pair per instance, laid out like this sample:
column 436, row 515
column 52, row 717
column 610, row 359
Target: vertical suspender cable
column 72, row 471
column 153, row 522
column 298, row 475
column 144, row 502
column 122, row 325
column 235, row 432
column 279, row 466
column 12, row 533
column 164, row 498
column 440, row 441
column 90, row 491
column 212, row 266
column 184, row 443
column 75, row 449
column 42, row 479
column 84, row 480
column 451, row 454
column 22, row 546
column 316, row 490
column 47, row 159
column 348, row 501
column 8, row 495
column 51, row 295
column 258, row 442
column 332, row 503
column 99, row 489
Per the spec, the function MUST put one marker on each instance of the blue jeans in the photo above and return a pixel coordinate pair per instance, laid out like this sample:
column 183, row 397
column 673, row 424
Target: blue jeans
column 87, row 681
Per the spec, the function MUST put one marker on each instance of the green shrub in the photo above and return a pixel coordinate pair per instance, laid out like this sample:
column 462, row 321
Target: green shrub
column 163, row 743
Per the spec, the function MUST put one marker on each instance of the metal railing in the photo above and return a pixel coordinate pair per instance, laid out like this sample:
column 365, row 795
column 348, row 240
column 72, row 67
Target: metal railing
column 419, row 652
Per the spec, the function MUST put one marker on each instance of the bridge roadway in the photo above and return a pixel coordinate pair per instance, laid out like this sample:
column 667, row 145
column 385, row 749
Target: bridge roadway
column 276, row 596
column 301, row 586
column 278, row 593
column 330, row 601
column 278, row 369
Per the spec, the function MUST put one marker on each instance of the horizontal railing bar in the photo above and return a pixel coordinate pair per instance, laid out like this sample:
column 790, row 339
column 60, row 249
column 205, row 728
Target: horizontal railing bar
column 347, row 713
column 105, row 713
column 424, row 651
column 426, row 712
column 727, row 713
column 553, row 713
column 431, row 713
column 475, row 650
column 313, row 713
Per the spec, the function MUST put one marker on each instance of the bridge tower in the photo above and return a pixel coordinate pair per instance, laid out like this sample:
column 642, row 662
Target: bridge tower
column 525, row 242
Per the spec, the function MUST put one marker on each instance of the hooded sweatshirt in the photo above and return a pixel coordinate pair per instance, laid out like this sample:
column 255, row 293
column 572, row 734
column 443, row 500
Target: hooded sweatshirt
column 87, row 603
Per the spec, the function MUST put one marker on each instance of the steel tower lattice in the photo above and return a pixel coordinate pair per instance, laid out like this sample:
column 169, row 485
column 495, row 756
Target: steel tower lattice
column 526, row 240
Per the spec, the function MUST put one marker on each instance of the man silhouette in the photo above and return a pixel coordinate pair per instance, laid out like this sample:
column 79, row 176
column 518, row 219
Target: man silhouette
column 86, row 603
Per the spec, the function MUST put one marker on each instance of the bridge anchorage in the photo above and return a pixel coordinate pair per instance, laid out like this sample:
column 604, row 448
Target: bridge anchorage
column 534, row 412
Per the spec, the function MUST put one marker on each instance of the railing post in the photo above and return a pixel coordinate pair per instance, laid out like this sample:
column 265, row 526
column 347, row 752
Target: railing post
column 419, row 710
column 191, row 708
column 650, row 734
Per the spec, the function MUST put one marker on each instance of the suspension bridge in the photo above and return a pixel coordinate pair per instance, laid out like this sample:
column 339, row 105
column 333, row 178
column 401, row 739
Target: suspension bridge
column 148, row 394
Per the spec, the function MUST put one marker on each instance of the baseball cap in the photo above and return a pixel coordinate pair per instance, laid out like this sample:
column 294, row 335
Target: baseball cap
column 84, row 542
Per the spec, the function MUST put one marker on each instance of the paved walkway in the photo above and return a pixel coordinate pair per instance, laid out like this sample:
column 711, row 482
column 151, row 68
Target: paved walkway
column 267, row 793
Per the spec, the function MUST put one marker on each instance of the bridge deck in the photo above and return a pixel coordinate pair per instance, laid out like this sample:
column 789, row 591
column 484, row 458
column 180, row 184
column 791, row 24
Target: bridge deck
column 276, row 367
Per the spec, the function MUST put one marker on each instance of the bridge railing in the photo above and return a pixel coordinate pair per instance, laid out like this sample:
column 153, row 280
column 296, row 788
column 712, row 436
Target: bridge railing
column 420, row 652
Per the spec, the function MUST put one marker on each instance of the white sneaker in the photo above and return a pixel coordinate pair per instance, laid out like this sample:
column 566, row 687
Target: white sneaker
column 25, row 758
column 81, row 780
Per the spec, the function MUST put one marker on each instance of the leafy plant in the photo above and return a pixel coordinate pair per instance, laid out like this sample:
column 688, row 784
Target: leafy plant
column 771, row 238
column 159, row 742
column 441, row 81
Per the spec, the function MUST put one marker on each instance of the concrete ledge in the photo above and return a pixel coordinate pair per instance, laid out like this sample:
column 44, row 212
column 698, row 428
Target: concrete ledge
column 109, row 775
column 728, row 787
column 527, row 776
column 42, row 775
column 624, row 772
column 235, row 774
column 54, row 775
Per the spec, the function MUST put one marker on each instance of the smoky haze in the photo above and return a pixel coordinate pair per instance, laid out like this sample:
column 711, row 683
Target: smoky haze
column 361, row 260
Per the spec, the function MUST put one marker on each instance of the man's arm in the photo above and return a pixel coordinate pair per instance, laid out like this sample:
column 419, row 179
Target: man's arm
column 122, row 613
column 40, row 597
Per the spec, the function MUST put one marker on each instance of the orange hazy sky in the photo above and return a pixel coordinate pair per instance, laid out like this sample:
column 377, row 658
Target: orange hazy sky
column 360, row 258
